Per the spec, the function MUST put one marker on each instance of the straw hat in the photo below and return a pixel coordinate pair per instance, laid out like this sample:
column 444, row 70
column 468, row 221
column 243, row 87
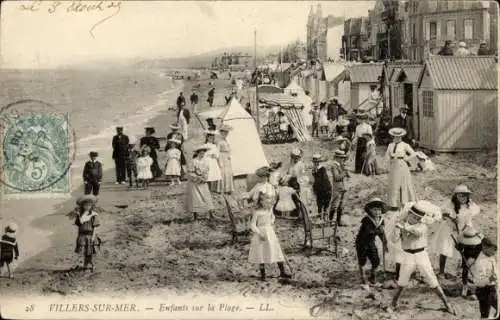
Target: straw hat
column 362, row 116
column 296, row 152
column 462, row 44
column 202, row 147
column 340, row 154
column 174, row 141
column 471, row 236
column 274, row 165
column 462, row 189
column 146, row 149
column 423, row 208
column 225, row 128
column 420, row 155
column 11, row 228
column 376, row 202
column 86, row 198
column 174, row 126
column 318, row 158
column 397, row 132
column 93, row 154
column 263, row 172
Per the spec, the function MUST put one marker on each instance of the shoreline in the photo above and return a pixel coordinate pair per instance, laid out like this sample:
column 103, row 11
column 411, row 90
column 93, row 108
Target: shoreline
column 36, row 237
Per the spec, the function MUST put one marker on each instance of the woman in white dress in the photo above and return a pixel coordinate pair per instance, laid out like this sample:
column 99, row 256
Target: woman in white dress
column 401, row 188
column 212, row 158
column 265, row 247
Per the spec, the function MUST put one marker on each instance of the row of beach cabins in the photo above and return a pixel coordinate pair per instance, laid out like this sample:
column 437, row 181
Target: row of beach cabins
column 453, row 100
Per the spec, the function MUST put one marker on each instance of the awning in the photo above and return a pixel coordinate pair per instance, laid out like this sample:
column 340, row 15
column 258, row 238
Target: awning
column 284, row 101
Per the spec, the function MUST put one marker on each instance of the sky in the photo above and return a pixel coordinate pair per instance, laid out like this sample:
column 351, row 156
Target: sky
column 149, row 29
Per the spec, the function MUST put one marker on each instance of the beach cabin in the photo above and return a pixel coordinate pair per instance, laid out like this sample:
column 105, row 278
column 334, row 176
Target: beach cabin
column 458, row 101
column 334, row 74
column 361, row 76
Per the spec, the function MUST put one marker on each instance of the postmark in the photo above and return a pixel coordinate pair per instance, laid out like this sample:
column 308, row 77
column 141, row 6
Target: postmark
column 38, row 148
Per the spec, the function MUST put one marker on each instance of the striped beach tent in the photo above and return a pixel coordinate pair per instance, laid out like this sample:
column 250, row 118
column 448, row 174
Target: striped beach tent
column 292, row 108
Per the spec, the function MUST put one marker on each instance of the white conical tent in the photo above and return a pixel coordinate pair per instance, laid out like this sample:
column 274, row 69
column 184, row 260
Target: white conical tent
column 295, row 88
column 247, row 154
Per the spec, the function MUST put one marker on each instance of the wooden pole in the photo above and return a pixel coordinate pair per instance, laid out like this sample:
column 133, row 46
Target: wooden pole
column 257, row 111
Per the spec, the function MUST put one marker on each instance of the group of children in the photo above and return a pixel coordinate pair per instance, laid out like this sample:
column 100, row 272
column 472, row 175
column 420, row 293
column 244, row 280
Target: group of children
column 408, row 232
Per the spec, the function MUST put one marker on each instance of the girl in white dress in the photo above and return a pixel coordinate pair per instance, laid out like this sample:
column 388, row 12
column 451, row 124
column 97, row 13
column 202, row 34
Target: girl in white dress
column 144, row 163
column 457, row 214
column 265, row 247
column 173, row 165
column 323, row 120
column 401, row 188
column 212, row 158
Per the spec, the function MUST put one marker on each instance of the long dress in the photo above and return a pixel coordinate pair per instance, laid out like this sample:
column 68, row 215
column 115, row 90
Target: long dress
column 214, row 172
column 226, row 183
column 144, row 164
column 173, row 167
column 360, row 142
column 183, row 125
column 154, row 144
column 441, row 241
column 401, row 188
column 198, row 196
column 268, row 250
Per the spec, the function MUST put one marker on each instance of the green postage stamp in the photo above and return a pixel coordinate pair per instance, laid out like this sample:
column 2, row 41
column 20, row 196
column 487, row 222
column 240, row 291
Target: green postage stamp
column 36, row 143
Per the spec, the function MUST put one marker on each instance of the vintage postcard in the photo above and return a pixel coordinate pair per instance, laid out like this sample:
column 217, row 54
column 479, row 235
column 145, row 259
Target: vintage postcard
column 248, row 159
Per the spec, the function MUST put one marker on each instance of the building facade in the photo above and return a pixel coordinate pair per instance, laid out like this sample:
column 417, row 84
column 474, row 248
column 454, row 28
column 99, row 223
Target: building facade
column 387, row 24
column 431, row 23
column 319, row 33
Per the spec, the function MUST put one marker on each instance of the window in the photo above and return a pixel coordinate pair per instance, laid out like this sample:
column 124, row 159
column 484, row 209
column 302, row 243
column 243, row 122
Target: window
column 413, row 33
column 468, row 28
column 432, row 30
column 428, row 104
column 450, row 30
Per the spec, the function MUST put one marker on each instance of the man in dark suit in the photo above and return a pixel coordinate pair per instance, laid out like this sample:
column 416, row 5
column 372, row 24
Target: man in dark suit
column 120, row 154
column 92, row 174
column 181, row 101
column 405, row 121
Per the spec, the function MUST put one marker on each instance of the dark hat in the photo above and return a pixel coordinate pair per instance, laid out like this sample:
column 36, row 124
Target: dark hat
column 93, row 154
column 487, row 242
column 263, row 172
column 362, row 116
column 150, row 130
column 119, row 128
column 376, row 202
column 275, row 165
column 86, row 198
column 11, row 228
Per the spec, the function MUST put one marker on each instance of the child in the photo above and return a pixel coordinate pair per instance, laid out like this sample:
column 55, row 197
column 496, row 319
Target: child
column 144, row 163
column 198, row 196
column 173, row 165
column 469, row 243
column 92, row 174
column 265, row 247
column 413, row 235
column 322, row 187
column 315, row 120
column 133, row 154
column 323, row 119
column 457, row 214
column 370, row 167
column 9, row 249
column 86, row 221
column 372, row 225
column 424, row 163
column 285, row 204
column 485, row 276
column 339, row 175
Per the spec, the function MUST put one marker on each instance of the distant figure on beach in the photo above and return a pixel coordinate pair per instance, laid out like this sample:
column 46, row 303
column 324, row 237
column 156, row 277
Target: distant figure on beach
column 154, row 144
column 183, row 121
column 120, row 149
column 133, row 154
column 194, row 100
column 181, row 101
column 92, row 174
column 211, row 97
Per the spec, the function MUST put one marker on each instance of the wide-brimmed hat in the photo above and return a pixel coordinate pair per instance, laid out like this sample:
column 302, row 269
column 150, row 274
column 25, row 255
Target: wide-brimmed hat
column 340, row 154
column 11, row 228
column 86, row 198
column 404, row 107
column 318, row 158
column 376, row 202
column 462, row 188
column 263, row 172
column 397, row 132
column 423, row 208
column 174, row 141
column 462, row 44
column 225, row 128
column 93, row 154
column 296, row 152
column 211, row 132
column 471, row 236
column 203, row 147
column 343, row 123
column 174, row 126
